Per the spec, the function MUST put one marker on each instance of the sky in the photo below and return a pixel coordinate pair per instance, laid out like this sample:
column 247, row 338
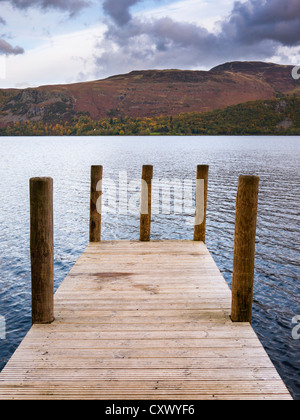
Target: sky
column 46, row 42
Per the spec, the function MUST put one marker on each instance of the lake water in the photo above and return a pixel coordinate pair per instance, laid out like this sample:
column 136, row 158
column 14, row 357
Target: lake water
column 275, row 159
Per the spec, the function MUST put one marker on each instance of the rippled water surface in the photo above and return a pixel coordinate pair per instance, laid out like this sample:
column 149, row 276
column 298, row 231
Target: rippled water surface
column 275, row 159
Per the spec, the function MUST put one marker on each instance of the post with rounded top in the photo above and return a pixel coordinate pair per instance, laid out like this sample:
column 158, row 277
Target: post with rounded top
column 41, row 249
column 145, row 219
column 244, row 249
column 201, row 203
column 95, row 203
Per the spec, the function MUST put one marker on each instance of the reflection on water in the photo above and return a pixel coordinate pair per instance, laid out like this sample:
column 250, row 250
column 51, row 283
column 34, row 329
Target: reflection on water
column 68, row 161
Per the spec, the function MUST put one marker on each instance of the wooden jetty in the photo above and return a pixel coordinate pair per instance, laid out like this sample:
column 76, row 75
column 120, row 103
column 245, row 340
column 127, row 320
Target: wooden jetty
column 144, row 320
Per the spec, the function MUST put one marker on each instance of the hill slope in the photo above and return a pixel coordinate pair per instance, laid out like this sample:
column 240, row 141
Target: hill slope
column 148, row 93
column 264, row 117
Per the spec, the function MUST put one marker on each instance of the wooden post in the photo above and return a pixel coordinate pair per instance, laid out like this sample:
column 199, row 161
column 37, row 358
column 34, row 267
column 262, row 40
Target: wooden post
column 95, row 203
column 201, row 203
column 41, row 249
column 244, row 249
column 145, row 221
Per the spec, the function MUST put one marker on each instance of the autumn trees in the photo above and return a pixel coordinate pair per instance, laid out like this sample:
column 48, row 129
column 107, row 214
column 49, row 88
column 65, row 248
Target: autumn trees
column 278, row 117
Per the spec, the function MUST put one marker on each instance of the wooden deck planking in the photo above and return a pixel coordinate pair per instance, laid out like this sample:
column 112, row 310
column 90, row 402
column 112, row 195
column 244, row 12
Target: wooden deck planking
column 137, row 320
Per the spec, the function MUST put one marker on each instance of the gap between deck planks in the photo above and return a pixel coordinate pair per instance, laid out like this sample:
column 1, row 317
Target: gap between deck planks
column 142, row 320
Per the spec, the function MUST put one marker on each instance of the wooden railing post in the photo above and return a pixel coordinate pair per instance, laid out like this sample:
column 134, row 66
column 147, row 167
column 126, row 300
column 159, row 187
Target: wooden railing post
column 244, row 249
column 145, row 220
column 201, row 203
column 41, row 249
column 95, row 203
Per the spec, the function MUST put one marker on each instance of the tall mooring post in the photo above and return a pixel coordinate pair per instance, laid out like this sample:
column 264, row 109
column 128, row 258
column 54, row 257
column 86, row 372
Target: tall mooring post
column 244, row 249
column 41, row 249
column 95, row 203
column 145, row 218
column 201, row 203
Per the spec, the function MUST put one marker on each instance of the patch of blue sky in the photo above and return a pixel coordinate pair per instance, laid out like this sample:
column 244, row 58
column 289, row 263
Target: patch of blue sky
column 148, row 5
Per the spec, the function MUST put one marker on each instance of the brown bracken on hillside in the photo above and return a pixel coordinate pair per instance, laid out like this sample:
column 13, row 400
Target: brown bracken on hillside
column 149, row 93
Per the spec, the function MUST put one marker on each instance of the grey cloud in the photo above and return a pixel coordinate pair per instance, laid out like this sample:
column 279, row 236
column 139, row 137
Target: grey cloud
column 5, row 47
column 164, row 33
column 257, row 21
column 71, row 6
column 118, row 10
column 8, row 49
column 253, row 30
column 161, row 43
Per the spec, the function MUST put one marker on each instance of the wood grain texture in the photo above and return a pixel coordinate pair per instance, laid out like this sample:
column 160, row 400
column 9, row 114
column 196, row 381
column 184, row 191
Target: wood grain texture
column 201, row 203
column 41, row 249
column 95, row 203
column 244, row 248
column 142, row 320
column 146, row 188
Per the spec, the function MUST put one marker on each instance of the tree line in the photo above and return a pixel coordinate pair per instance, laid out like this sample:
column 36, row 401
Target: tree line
column 273, row 117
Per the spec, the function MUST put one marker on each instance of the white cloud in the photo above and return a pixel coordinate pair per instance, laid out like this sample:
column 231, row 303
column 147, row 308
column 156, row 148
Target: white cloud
column 205, row 13
column 290, row 55
column 61, row 59
column 2, row 67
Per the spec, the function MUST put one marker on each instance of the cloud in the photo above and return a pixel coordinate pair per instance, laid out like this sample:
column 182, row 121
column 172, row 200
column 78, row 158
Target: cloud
column 255, row 29
column 8, row 49
column 39, row 66
column 71, row 6
column 257, row 21
column 119, row 10
column 5, row 47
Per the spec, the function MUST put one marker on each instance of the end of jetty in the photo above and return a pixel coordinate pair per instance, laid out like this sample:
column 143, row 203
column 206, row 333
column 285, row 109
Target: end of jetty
column 142, row 320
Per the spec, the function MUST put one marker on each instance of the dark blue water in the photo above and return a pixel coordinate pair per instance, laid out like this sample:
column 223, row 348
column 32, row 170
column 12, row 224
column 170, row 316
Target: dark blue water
column 275, row 159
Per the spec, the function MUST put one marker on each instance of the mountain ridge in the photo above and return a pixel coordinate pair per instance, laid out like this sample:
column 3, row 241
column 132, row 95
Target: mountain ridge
column 149, row 93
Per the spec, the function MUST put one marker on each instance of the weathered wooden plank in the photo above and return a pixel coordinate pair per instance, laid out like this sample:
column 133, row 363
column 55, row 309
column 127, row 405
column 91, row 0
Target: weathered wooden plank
column 184, row 375
column 147, row 390
column 205, row 333
column 212, row 363
column 93, row 354
column 136, row 320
